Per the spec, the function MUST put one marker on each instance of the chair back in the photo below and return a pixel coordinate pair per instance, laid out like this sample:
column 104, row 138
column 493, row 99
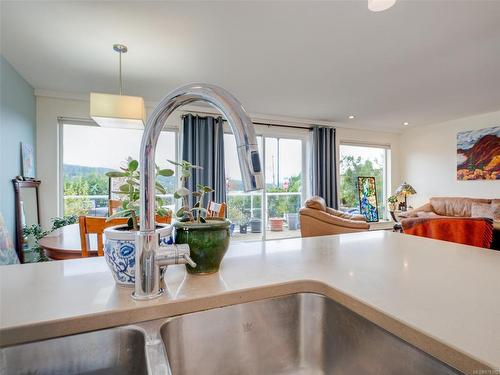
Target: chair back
column 95, row 225
column 113, row 204
column 216, row 209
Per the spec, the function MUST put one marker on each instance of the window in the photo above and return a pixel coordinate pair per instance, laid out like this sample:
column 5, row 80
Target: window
column 272, row 213
column 364, row 161
column 89, row 151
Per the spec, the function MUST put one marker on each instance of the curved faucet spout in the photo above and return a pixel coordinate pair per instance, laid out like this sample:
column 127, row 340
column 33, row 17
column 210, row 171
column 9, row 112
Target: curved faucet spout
column 147, row 270
column 240, row 124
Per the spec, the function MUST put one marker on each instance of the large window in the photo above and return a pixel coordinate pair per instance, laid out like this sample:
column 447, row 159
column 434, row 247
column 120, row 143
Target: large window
column 363, row 161
column 273, row 212
column 90, row 151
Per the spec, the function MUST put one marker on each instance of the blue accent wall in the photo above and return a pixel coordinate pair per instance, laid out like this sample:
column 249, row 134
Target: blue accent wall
column 17, row 124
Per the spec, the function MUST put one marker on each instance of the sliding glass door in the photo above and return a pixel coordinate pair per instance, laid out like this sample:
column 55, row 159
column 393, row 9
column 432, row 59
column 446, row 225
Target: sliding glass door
column 273, row 212
column 283, row 186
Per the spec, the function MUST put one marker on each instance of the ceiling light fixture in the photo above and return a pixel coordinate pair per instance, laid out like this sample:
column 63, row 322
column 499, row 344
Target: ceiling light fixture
column 406, row 123
column 380, row 5
column 350, row 117
column 118, row 111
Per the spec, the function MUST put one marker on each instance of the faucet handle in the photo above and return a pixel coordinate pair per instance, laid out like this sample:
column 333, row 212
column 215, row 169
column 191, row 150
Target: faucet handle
column 189, row 261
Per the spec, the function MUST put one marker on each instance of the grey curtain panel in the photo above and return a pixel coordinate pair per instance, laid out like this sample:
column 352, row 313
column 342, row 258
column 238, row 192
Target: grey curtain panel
column 203, row 145
column 324, row 177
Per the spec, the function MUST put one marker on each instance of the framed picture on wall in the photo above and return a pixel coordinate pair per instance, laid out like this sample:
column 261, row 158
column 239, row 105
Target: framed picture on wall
column 478, row 154
column 367, row 192
column 28, row 157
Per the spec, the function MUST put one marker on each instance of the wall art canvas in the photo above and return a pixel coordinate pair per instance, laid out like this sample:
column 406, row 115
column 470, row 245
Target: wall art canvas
column 367, row 193
column 478, row 154
column 28, row 156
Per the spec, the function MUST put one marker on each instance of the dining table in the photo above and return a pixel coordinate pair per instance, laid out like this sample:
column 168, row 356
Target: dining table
column 64, row 243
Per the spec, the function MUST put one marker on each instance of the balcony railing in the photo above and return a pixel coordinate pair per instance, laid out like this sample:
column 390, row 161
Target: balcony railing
column 97, row 205
column 242, row 207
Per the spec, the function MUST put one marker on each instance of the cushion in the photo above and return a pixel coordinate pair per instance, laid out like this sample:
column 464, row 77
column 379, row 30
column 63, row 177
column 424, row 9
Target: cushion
column 496, row 211
column 316, row 202
column 454, row 206
column 490, row 211
column 482, row 210
column 345, row 215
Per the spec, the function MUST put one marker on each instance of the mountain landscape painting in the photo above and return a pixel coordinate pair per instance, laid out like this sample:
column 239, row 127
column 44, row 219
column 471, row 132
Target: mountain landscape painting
column 478, row 154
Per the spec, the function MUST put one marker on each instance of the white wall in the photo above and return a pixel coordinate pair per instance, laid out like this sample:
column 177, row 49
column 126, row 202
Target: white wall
column 47, row 112
column 50, row 108
column 429, row 160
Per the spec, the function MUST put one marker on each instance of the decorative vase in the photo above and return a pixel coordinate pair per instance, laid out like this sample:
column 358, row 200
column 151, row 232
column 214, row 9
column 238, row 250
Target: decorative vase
column 119, row 251
column 208, row 243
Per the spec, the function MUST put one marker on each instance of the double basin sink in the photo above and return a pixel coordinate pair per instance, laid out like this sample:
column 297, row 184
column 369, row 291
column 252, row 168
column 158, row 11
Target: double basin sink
column 295, row 334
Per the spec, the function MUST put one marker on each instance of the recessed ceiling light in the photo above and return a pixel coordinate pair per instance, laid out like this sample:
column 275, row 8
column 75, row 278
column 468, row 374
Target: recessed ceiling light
column 350, row 117
column 380, row 5
column 406, row 123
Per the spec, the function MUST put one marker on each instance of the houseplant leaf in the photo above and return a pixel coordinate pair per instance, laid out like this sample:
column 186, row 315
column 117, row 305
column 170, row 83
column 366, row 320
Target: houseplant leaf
column 133, row 165
column 166, row 172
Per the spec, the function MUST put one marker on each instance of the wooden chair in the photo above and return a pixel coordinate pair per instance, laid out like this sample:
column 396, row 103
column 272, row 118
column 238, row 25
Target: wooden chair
column 113, row 204
column 216, row 209
column 95, row 225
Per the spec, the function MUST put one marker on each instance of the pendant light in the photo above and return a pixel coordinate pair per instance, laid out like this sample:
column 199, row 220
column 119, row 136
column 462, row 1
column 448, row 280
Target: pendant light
column 118, row 111
column 380, row 5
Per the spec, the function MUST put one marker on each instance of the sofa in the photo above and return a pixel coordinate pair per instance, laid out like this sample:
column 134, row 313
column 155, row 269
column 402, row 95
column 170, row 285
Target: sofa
column 460, row 207
column 316, row 219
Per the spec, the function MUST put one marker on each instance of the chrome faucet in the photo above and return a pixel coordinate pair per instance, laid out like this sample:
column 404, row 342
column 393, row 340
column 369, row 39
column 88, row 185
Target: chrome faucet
column 150, row 256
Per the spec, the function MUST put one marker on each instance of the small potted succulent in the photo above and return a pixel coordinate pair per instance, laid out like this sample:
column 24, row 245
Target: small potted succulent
column 392, row 202
column 119, row 249
column 208, row 238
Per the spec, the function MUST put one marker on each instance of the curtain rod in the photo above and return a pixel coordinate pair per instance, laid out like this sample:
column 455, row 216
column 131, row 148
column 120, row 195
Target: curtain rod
column 206, row 114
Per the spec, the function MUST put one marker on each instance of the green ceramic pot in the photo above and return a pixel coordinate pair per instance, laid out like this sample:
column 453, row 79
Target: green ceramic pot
column 208, row 243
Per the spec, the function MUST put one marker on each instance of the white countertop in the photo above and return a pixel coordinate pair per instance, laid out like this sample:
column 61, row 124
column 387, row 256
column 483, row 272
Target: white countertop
column 439, row 296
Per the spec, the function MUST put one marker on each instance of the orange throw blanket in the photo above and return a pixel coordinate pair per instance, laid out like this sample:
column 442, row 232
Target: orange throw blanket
column 467, row 231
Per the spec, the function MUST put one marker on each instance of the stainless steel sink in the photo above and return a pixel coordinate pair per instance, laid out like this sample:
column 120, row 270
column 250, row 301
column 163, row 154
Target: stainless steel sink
column 296, row 334
column 111, row 351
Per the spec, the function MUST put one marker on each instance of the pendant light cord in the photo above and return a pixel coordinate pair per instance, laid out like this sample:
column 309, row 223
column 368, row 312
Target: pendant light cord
column 120, row 73
column 120, row 48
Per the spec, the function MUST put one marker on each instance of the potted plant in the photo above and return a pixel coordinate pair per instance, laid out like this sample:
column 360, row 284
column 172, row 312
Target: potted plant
column 392, row 202
column 208, row 238
column 119, row 247
column 243, row 227
column 276, row 224
column 293, row 220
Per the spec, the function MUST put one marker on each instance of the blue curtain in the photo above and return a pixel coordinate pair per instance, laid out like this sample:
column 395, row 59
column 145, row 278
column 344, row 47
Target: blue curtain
column 203, row 145
column 324, row 165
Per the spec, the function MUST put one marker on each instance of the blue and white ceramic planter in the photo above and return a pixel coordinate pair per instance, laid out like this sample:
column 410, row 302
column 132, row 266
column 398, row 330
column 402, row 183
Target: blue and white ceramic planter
column 119, row 251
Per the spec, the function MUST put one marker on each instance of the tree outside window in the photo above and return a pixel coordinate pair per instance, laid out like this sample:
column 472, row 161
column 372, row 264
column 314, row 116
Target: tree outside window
column 361, row 161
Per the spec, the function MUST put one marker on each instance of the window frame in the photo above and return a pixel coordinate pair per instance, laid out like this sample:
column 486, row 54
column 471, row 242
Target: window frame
column 89, row 122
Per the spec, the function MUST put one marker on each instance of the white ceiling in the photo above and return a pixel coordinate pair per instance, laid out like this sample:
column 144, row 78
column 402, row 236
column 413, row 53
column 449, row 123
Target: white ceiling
column 420, row 61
